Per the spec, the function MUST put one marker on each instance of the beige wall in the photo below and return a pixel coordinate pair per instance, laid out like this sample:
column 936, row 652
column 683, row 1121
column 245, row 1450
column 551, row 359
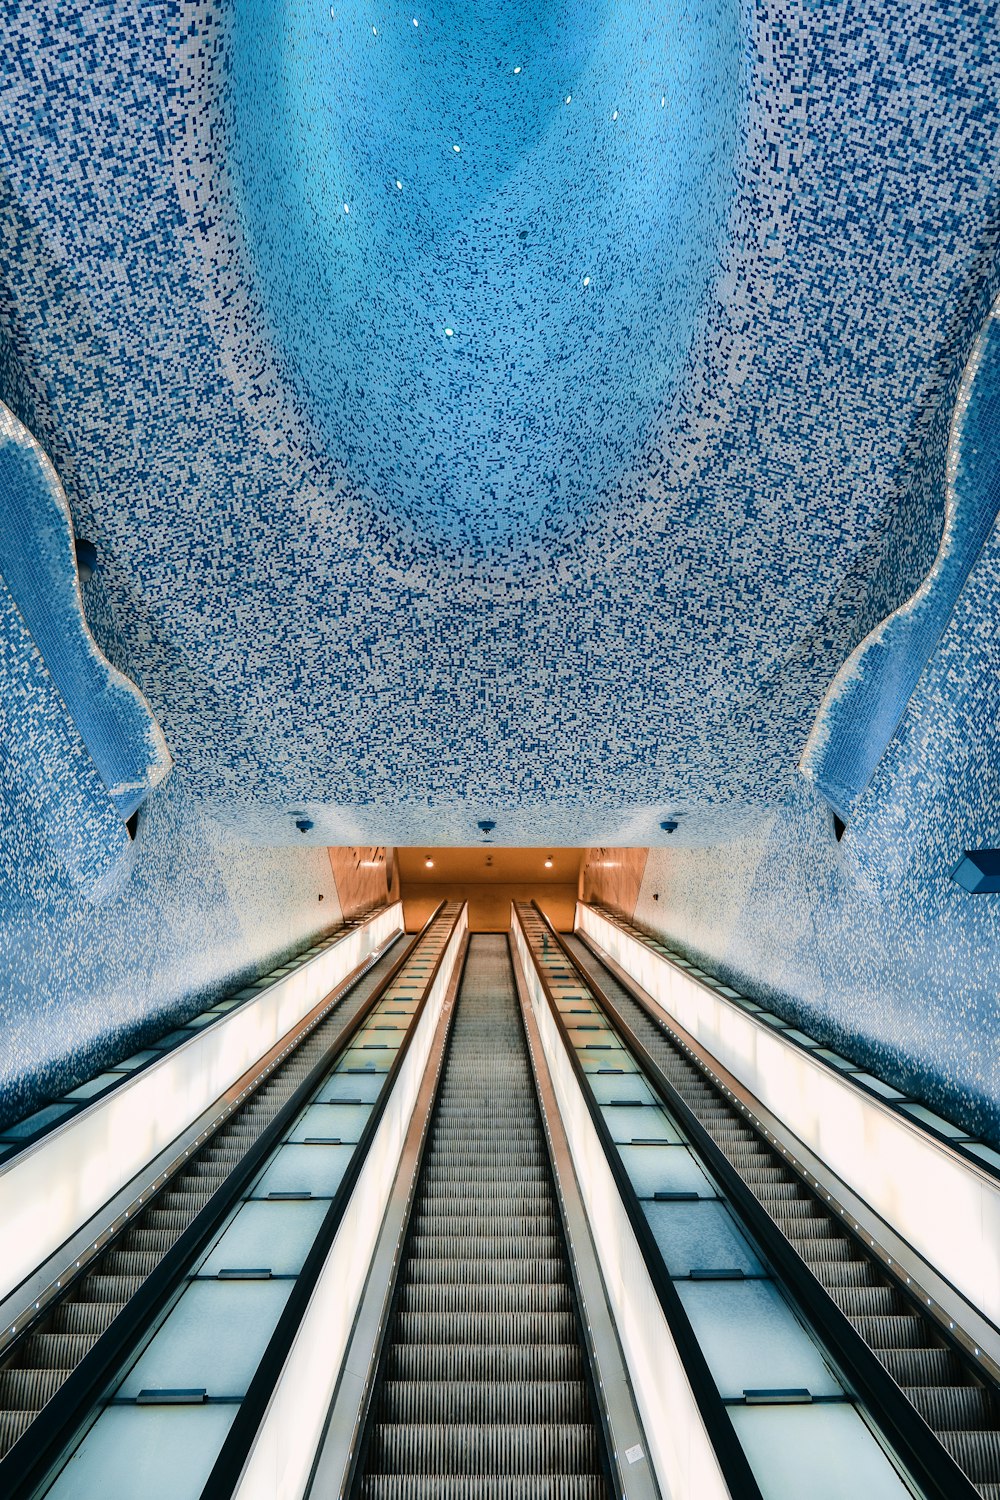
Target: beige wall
column 489, row 879
column 489, row 909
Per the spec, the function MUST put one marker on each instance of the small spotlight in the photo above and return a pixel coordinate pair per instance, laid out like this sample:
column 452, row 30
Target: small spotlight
column 549, row 862
column 429, row 863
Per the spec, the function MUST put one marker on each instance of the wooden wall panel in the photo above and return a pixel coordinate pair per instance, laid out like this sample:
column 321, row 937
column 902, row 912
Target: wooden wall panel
column 613, row 877
column 365, row 877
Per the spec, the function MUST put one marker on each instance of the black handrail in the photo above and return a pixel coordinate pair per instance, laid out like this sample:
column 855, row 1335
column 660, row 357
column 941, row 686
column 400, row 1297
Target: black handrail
column 239, row 1439
column 39, row 1449
column 916, row 1445
column 732, row 1459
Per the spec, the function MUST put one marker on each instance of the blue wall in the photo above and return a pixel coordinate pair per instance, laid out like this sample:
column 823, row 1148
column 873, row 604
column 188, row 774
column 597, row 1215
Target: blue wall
column 83, row 983
column 869, row 942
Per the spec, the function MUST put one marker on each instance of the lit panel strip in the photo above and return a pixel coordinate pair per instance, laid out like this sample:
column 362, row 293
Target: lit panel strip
column 940, row 1203
column 96, row 1153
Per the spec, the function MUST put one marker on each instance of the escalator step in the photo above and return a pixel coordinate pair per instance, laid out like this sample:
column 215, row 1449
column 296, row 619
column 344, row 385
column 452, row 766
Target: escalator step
column 921, row 1366
column 900, row 1331
column 506, row 1299
column 100, row 1287
column 84, row 1317
column 461, row 1225
column 490, row 1401
column 870, row 1301
column 510, row 1247
column 467, row 1448
column 449, row 1328
column 483, row 1487
column 951, row 1406
column 12, row 1425
column 840, row 1273
column 977, row 1453
column 811, row 1250
column 56, row 1351
column 431, row 1271
column 485, row 1362
column 28, row 1390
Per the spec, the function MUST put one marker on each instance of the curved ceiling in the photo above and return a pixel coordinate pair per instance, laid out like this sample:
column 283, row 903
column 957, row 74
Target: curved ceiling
column 594, row 558
column 479, row 235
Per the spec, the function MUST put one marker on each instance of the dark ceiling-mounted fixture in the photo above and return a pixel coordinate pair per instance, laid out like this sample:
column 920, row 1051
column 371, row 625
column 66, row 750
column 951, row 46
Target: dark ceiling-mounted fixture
column 978, row 872
column 487, row 826
column 669, row 825
column 303, row 824
column 86, row 558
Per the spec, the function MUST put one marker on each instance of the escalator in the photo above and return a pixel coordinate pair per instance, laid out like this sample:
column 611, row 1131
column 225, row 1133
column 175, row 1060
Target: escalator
column 950, row 1396
column 484, row 1387
column 55, row 1352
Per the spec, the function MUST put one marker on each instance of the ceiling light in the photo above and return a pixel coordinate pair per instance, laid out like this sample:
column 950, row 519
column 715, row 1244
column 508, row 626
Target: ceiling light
column 517, row 70
column 549, row 862
column 429, row 863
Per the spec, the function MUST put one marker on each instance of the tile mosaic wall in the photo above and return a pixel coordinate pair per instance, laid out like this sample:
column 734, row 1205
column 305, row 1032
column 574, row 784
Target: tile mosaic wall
column 788, row 239
column 868, row 942
column 84, row 983
column 711, row 278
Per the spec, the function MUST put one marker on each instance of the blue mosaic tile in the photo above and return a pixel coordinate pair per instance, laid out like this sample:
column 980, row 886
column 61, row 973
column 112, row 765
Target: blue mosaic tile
column 591, row 560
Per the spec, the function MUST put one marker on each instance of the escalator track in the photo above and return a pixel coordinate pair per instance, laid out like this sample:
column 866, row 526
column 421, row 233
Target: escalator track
column 484, row 1391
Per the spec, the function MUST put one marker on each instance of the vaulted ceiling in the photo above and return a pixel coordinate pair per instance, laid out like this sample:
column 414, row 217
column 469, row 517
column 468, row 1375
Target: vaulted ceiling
column 495, row 412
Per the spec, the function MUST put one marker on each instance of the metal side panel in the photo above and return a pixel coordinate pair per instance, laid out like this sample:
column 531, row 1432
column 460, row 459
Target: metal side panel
column 683, row 1455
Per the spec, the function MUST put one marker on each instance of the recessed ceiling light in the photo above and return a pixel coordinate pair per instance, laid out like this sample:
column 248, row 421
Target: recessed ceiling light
column 517, row 69
column 449, row 333
column 399, row 184
column 456, row 148
column 549, row 862
column 615, row 115
column 569, row 98
column 429, row 863
column 347, row 208
column 586, row 281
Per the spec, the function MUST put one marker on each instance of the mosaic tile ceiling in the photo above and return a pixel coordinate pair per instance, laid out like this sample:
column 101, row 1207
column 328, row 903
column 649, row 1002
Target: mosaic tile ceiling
column 495, row 412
